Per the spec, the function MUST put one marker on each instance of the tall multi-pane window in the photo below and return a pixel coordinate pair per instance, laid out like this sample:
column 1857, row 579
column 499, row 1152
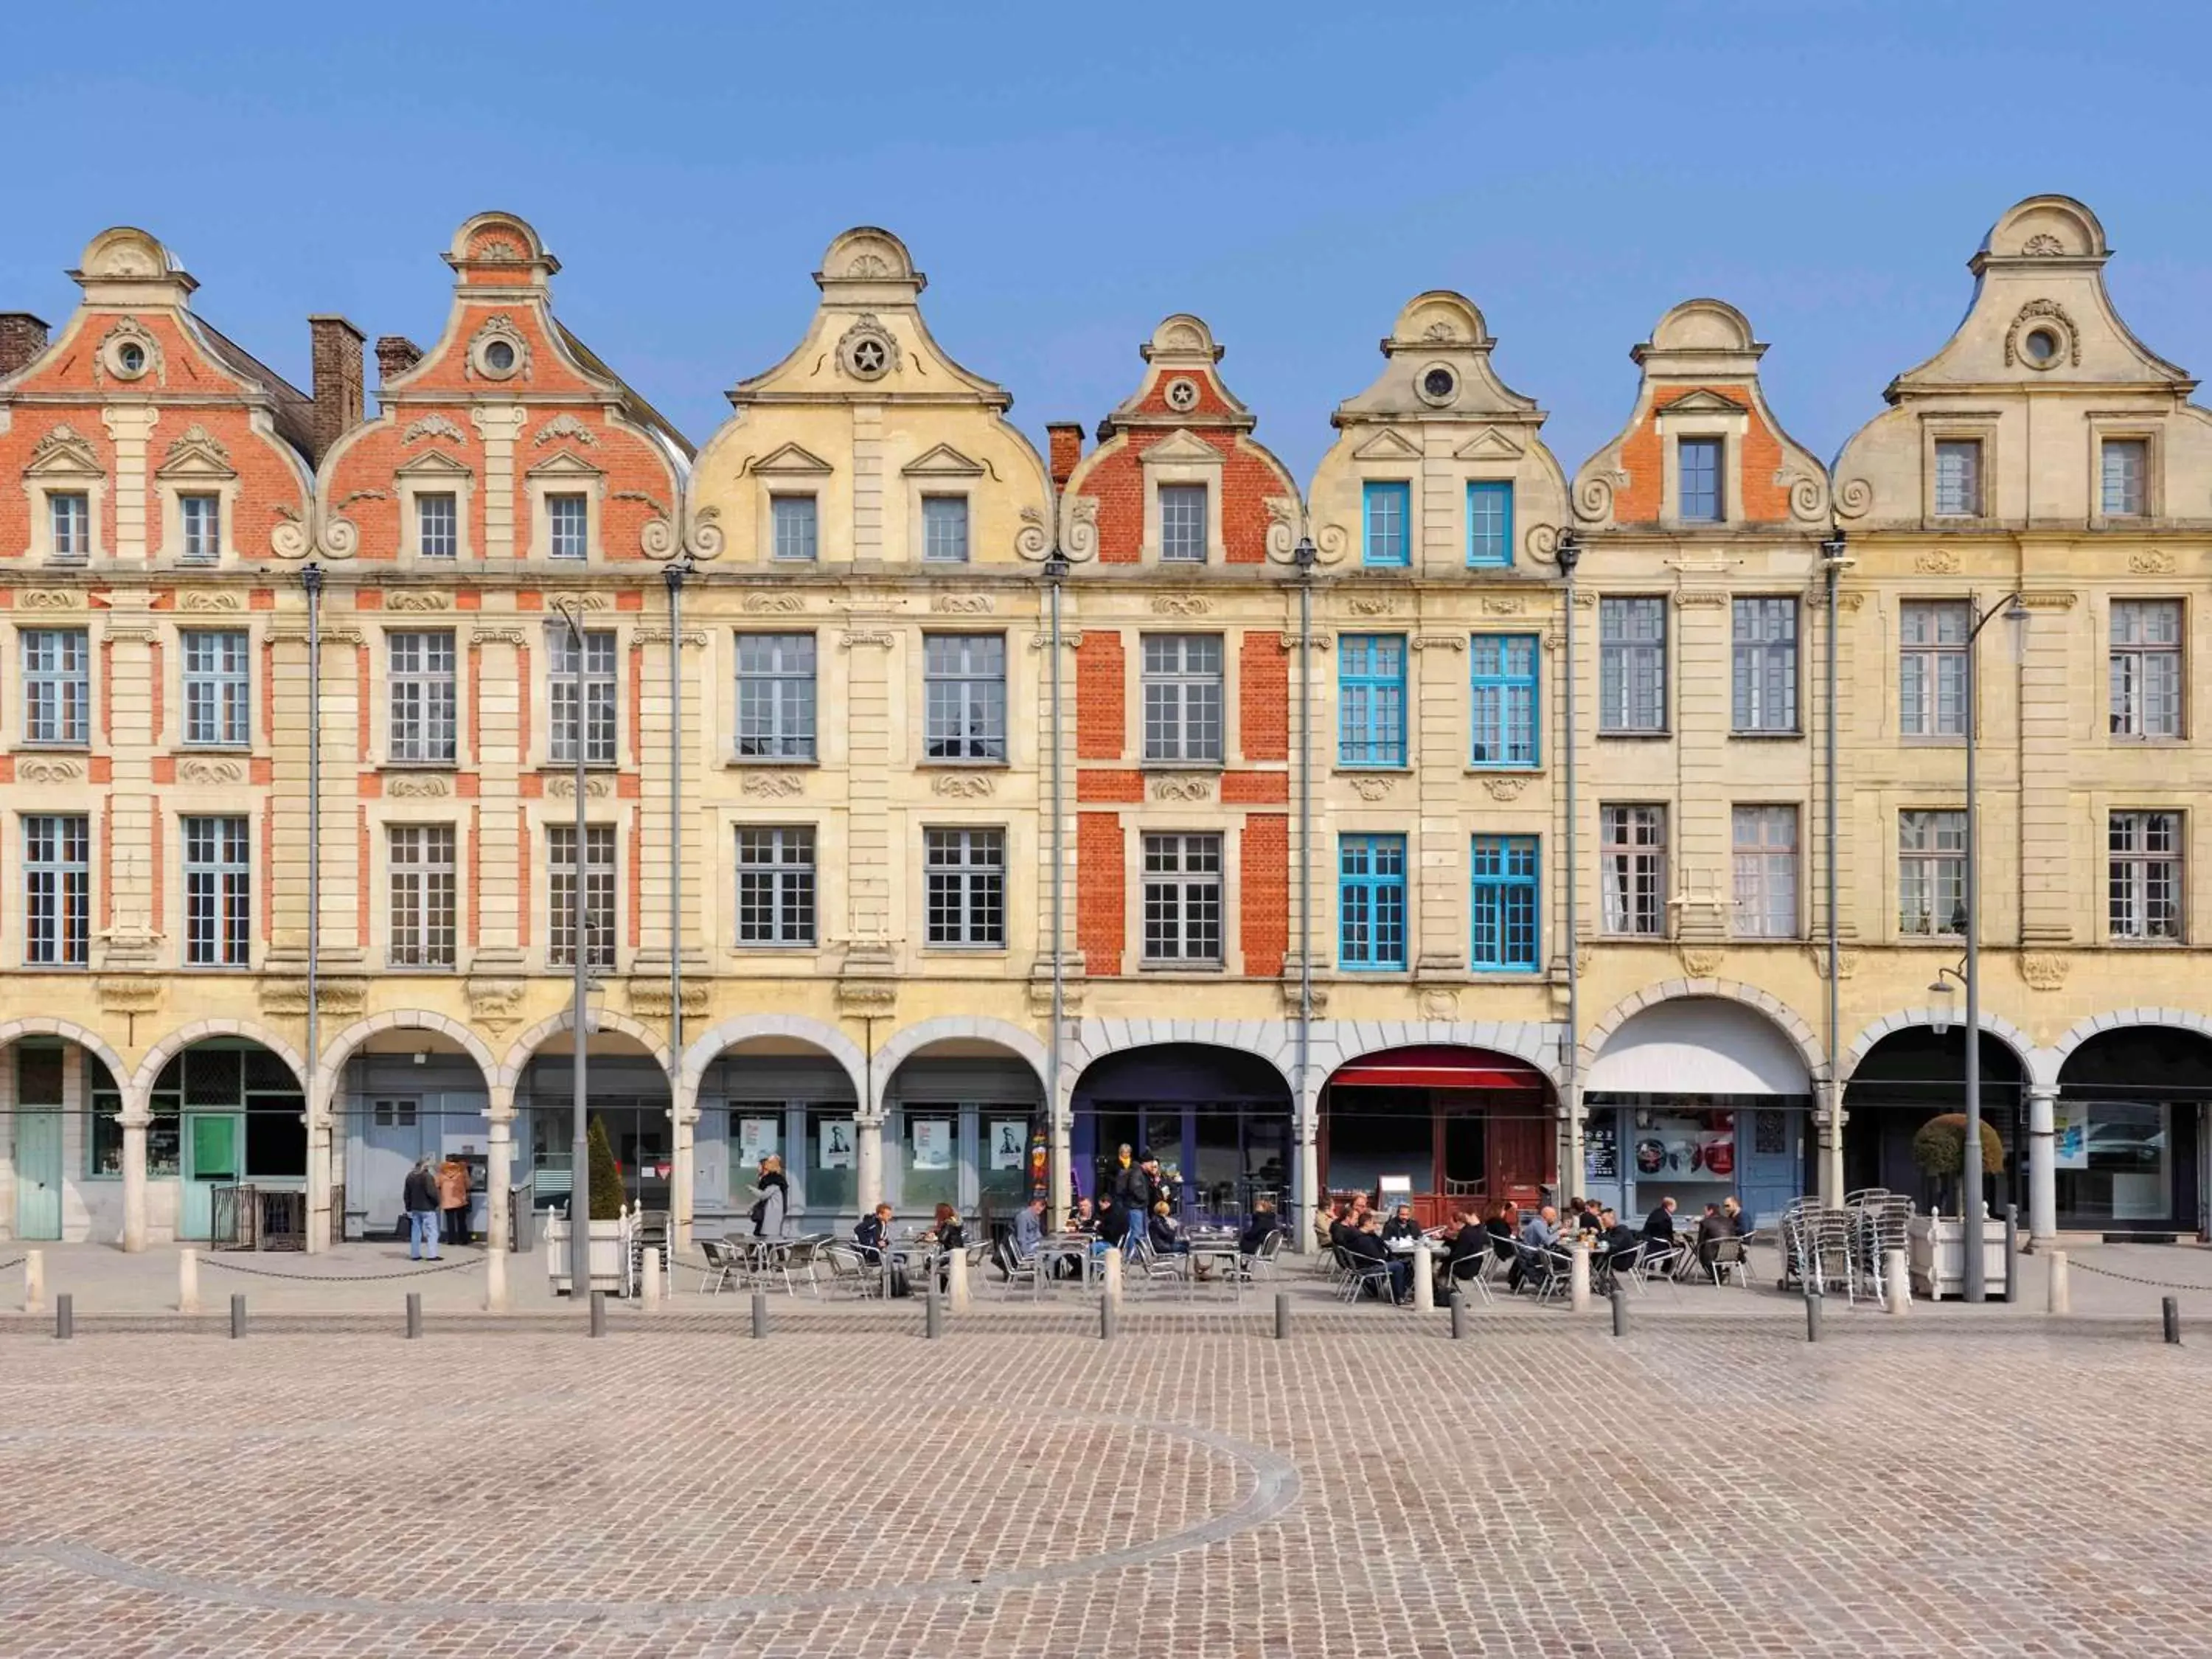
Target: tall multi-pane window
column 1504, row 903
column 598, row 895
column 1631, row 665
column 425, row 697
column 1931, row 668
column 1490, row 523
column 597, row 723
column 200, row 517
column 1931, row 874
column 56, row 889
column 944, row 529
column 1370, row 697
column 2146, row 668
column 1370, row 901
column 1182, row 696
column 964, row 685
column 57, row 685
column 1698, row 469
column 775, row 887
column 69, row 522
column 218, row 687
column 1388, row 508
column 1503, row 684
column 775, row 696
column 1766, row 888
column 2144, row 875
column 794, row 522
column 1182, row 899
column 218, row 892
column 420, row 859
column 438, row 525
column 1182, row 524
column 964, row 882
column 569, row 525
column 1632, row 869
column 1958, row 478
column 2124, row 482
column 1766, row 665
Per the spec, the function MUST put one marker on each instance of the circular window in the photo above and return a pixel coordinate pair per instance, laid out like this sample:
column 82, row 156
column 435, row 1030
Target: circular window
column 499, row 356
column 1182, row 394
column 132, row 359
column 1436, row 385
column 2040, row 346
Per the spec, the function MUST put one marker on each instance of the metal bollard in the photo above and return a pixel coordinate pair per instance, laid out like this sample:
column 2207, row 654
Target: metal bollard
column 64, row 1317
column 2169, row 1314
column 413, row 1315
column 1109, row 1316
column 1282, row 1315
column 2059, row 1292
column 238, row 1316
column 760, row 1315
column 1813, row 1302
column 932, row 1314
column 188, row 1281
column 2012, row 1252
column 598, row 1313
column 1459, row 1318
column 1620, row 1311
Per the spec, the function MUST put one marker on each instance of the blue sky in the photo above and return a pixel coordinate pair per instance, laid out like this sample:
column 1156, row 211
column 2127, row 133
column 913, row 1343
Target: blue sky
column 1068, row 175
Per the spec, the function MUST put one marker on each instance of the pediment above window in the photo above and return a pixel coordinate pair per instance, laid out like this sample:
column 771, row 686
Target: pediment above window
column 1183, row 448
column 792, row 461
column 1388, row 446
column 943, row 462
column 1703, row 402
column 433, row 464
column 64, row 452
column 1491, row 444
column 564, row 465
column 196, row 454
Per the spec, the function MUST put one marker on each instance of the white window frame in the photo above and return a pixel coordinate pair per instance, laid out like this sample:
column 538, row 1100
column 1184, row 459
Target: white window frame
column 940, row 499
column 991, row 736
column 780, row 862
column 1753, row 661
column 1632, row 869
column 1182, row 894
column 217, row 894
column 602, row 913
column 434, row 473
column 2146, row 481
column 1950, row 428
column 194, row 546
column 423, row 693
column 57, row 890
column 220, row 690
column 1182, row 459
column 967, row 867
column 1934, row 655
column 451, row 500
column 1929, row 867
column 1180, row 694
column 2128, row 870
column 69, row 695
column 602, row 731
column 2133, row 658
column 1620, row 721
column 564, row 474
column 422, row 887
column 1764, row 891
column 777, row 684
column 775, row 501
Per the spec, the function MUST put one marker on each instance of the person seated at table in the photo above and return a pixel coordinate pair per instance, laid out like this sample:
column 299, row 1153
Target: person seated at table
column 1659, row 1228
column 1503, row 1226
column 1164, row 1234
column 1364, row 1244
column 1464, row 1254
column 1618, row 1239
column 1342, row 1231
column 1326, row 1217
column 1356, row 1216
column 874, row 1235
column 1400, row 1224
column 1029, row 1229
column 1084, row 1218
column 1738, row 1219
column 1713, row 1226
column 1111, row 1225
column 1259, row 1230
column 1540, row 1232
column 1591, row 1218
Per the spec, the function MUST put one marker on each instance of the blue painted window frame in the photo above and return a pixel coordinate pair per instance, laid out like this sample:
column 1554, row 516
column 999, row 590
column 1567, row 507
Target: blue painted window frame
column 1502, row 694
column 1370, row 903
column 1490, row 524
column 1699, row 465
column 1388, row 518
column 1370, row 700
column 1507, row 910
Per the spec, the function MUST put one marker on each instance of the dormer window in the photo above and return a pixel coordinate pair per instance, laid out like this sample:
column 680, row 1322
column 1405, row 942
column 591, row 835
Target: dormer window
column 1958, row 478
column 1182, row 524
column 569, row 523
column 795, row 529
column 1387, row 507
column 437, row 525
column 68, row 514
column 2124, row 487
column 202, row 517
column 1704, row 488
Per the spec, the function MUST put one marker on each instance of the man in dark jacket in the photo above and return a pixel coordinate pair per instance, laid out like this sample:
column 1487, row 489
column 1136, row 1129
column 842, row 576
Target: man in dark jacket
column 1364, row 1246
column 419, row 1197
column 874, row 1235
column 1113, row 1220
column 1659, row 1226
column 1260, row 1229
column 1469, row 1246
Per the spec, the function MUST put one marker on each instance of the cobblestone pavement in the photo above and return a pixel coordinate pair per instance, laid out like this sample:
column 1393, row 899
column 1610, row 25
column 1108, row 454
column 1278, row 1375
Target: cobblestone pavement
column 859, row 1491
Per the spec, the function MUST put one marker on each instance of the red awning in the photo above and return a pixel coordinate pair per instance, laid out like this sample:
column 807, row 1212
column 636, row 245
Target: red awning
column 1438, row 1067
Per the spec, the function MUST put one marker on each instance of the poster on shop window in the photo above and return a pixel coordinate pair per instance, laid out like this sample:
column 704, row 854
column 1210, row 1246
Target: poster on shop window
column 1601, row 1152
column 836, row 1146
column 932, row 1143
column 1010, row 1142
column 757, row 1137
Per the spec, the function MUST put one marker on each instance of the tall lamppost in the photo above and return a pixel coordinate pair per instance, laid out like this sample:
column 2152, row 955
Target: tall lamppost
column 2016, row 616
column 1835, row 557
column 319, row 1149
column 1056, row 1180
column 580, row 1156
column 675, row 573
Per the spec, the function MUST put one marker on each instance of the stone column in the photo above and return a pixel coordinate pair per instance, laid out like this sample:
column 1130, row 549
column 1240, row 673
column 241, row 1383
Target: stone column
column 500, row 1177
column 683, row 1118
column 1060, row 1158
column 868, row 1161
column 1830, row 1129
column 320, row 1152
column 134, row 1119
column 1308, row 1197
column 2042, row 1165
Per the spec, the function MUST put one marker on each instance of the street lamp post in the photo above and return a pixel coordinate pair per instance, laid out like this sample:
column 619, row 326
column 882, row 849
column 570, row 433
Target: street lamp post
column 675, row 573
column 1305, row 559
column 580, row 1156
column 2016, row 615
column 319, row 1180
column 1056, row 1180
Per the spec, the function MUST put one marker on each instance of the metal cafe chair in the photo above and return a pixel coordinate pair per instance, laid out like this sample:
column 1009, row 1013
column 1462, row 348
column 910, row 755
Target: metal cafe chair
column 1358, row 1271
column 721, row 1263
column 1728, row 1263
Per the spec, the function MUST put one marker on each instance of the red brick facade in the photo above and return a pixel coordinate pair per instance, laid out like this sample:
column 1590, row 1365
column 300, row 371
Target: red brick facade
column 1266, row 874
column 1264, row 697
column 1101, row 889
column 1642, row 457
column 1101, row 697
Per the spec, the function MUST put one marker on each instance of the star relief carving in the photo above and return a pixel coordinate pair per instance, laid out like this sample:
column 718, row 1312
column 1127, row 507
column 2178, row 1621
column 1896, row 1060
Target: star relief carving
column 866, row 351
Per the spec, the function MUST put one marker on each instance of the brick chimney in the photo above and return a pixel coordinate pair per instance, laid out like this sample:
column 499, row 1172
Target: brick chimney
column 395, row 354
column 338, row 380
column 22, row 337
column 1066, row 449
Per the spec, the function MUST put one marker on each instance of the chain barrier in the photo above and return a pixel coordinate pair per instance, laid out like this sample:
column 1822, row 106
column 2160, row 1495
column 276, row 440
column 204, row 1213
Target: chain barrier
column 342, row 1278
column 2132, row 1278
column 12, row 1261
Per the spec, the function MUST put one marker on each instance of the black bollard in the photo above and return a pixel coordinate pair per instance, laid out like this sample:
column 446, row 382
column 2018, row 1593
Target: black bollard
column 64, row 1317
column 2012, row 1252
column 1109, row 1316
column 1282, row 1315
column 413, row 1315
column 760, row 1315
column 932, row 1314
column 1620, row 1311
column 2169, row 1314
column 1459, row 1318
column 1813, row 1301
column 238, row 1316
column 598, row 1313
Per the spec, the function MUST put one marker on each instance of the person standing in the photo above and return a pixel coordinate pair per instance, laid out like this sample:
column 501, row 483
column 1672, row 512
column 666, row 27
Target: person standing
column 419, row 1195
column 453, row 1200
column 771, row 1199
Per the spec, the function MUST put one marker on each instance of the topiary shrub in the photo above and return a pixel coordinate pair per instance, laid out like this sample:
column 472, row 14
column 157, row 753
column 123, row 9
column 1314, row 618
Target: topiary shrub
column 1940, row 1147
column 607, row 1183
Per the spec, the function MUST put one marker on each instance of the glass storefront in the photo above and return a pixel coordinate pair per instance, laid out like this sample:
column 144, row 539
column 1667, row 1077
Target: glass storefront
column 832, row 1181
column 2113, row 1160
column 1698, row 1149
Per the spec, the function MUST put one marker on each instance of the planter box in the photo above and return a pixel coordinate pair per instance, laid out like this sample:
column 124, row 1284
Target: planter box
column 1936, row 1256
column 609, row 1245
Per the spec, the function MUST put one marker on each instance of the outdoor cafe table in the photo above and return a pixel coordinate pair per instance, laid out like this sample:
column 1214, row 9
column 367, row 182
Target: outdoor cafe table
column 1075, row 1247
column 1219, row 1245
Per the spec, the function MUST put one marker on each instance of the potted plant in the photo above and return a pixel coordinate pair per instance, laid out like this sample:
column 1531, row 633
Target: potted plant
column 1937, row 1242
column 606, row 1205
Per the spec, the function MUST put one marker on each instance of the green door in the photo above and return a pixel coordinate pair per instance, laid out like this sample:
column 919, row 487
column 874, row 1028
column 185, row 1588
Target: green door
column 38, row 1174
column 214, row 1144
